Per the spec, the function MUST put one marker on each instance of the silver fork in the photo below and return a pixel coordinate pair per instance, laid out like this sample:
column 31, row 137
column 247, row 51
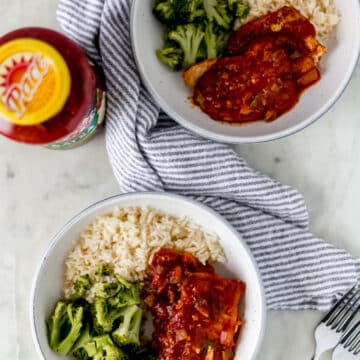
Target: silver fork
column 329, row 331
column 349, row 346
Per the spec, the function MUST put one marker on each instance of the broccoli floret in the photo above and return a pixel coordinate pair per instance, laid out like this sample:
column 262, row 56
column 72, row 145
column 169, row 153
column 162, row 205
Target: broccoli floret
column 111, row 352
column 107, row 350
column 104, row 315
column 98, row 348
column 64, row 326
column 196, row 29
column 85, row 337
column 81, row 354
column 124, row 282
column 215, row 41
column 128, row 332
column 110, row 298
column 242, row 11
column 178, row 11
column 81, row 286
column 164, row 11
column 189, row 37
column 103, row 270
column 210, row 41
column 107, row 290
column 129, row 294
column 239, row 8
column 171, row 56
column 188, row 11
column 219, row 12
column 132, row 293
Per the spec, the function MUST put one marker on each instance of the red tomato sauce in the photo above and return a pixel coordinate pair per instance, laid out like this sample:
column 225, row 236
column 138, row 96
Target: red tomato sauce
column 268, row 63
column 196, row 312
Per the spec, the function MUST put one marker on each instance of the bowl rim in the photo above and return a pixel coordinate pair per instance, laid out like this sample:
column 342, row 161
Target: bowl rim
column 241, row 139
column 112, row 199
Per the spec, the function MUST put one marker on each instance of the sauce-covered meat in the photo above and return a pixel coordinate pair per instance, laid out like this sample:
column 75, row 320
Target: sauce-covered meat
column 269, row 62
column 196, row 312
column 287, row 27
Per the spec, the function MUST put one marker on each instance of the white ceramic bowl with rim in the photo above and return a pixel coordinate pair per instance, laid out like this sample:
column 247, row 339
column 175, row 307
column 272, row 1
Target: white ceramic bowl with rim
column 172, row 95
column 240, row 264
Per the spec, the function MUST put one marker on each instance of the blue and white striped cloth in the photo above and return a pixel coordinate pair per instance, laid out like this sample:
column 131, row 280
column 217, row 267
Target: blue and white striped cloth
column 148, row 151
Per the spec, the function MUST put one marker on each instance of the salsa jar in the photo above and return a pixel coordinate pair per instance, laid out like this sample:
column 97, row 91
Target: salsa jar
column 49, row 92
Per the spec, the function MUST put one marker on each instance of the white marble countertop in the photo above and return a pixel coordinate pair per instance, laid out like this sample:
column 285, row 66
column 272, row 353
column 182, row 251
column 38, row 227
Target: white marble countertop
column 41, row 189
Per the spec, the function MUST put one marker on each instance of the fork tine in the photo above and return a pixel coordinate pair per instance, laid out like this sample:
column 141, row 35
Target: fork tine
column 349, row 338
column 357, row 350
column 343, row 307
column 332, row 314
column 355, row 342
column 355, row 347
column 352, row 313
column 347, row 314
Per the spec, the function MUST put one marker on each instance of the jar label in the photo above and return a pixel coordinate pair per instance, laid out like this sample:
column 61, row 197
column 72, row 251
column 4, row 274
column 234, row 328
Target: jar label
column 87, row 128
column 34, row 82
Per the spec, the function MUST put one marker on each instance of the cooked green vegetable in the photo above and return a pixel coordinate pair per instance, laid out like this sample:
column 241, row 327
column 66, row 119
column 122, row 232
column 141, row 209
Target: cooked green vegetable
column 64, row 326
column 110, row 301
column 164, row 11
column 239, row 8
column 215, row 41
column 188, row 11
column 242, row 10
column 103, row 270
column 99, row 348
column 85, row 337
column 104, row 315
column 178, row 11
column 81, row 286
column 189, row 37
column 106, row 290
column 107, row 329
column 196, row 29
column 219, row 12
column 131, row 293
column 128, row 332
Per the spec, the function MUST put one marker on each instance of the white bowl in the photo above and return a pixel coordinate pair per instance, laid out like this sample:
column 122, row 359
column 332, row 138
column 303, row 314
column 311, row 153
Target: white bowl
column 169, row 91
column 240, row 264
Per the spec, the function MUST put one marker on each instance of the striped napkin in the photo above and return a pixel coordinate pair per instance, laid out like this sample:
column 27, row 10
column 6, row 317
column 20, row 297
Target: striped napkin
column 148, row 151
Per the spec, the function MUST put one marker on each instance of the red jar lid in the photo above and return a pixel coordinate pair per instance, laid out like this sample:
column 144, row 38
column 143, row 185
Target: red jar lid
column 47, row 85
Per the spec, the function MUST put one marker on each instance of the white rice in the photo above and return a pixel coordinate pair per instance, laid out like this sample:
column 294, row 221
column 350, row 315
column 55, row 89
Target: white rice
column 322, row 13
column 128, row 237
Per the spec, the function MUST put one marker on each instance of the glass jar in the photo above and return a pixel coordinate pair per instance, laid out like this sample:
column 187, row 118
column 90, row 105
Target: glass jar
column 49, row 93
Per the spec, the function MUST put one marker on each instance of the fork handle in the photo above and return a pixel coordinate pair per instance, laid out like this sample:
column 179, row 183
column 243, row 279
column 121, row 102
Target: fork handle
column 320, row 351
